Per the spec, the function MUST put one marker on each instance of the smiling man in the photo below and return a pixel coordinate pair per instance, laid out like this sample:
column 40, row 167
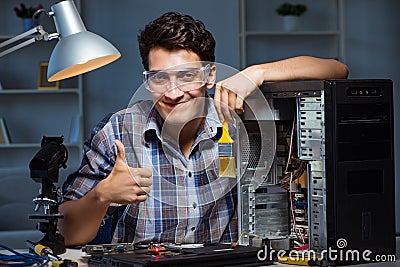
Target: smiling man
column 179, row 98
column 160, row 157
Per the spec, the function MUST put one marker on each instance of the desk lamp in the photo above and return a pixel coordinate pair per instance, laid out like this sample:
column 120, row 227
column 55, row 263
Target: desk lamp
column 78, row 50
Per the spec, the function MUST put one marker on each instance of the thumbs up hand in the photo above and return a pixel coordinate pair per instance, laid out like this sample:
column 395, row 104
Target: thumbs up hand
column 124, row 185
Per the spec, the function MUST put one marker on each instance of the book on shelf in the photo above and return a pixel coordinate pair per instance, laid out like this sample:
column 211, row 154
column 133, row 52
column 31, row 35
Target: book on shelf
column 4, row 135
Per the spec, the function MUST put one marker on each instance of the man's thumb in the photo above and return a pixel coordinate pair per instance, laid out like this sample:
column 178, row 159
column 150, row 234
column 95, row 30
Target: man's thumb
column 121, row 150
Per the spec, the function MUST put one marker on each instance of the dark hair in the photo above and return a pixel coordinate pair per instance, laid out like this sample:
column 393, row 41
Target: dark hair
column 176, row 31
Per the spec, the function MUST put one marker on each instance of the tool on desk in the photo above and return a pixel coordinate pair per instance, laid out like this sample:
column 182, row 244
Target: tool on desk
column 226, row 159
column 42, row 250
column 293, row 260
column 11, row 257
column 64, row 263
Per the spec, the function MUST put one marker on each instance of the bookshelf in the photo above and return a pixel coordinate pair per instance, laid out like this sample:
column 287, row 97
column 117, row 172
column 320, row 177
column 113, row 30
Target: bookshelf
column 262, row 37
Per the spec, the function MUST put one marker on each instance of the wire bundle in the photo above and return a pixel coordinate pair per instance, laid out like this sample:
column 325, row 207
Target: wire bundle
column 294, row 175
column 15, row 258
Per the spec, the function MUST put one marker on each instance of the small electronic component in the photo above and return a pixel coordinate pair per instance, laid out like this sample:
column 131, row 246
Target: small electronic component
column 156, row 248
column 108, row 248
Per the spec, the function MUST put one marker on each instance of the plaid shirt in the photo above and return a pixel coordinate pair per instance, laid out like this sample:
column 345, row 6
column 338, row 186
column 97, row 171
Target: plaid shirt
column 188, row 202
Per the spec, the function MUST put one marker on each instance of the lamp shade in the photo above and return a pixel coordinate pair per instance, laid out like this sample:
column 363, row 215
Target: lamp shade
column 78, row 50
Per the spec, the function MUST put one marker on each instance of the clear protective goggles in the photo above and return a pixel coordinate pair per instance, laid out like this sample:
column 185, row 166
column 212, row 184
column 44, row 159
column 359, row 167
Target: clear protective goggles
column 187, row 79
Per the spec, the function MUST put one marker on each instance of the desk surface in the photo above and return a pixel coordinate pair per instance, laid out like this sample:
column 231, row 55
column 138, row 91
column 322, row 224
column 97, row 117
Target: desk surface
column 82, row 259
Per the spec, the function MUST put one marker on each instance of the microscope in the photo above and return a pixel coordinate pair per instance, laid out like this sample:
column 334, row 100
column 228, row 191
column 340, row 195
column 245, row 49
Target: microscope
column 44, row 169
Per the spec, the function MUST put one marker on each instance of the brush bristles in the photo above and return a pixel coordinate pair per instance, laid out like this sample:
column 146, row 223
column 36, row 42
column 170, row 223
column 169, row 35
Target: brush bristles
column 227, row 167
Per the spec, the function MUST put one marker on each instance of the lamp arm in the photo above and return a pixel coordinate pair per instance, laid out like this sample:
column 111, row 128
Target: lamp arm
column 40, row 35
column 37, row 12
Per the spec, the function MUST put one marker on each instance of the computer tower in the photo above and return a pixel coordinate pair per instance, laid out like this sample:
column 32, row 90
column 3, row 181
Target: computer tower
column 344, row 136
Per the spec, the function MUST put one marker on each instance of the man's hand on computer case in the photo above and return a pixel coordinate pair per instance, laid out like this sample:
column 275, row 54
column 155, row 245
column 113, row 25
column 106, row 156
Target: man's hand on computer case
column 125, row 184
column 230, row 93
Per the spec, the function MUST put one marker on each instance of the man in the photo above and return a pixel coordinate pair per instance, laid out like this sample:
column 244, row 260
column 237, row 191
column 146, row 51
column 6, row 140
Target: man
column 160, row 157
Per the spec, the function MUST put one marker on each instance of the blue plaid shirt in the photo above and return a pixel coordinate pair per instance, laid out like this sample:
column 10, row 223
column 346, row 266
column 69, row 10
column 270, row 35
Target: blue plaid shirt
column 188, row 202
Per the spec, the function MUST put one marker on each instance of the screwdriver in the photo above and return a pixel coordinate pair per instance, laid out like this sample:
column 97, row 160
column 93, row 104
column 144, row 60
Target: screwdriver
column 42, row 250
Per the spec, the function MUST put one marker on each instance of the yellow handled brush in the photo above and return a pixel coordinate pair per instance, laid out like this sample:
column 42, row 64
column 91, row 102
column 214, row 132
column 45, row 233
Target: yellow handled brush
column 226, row 159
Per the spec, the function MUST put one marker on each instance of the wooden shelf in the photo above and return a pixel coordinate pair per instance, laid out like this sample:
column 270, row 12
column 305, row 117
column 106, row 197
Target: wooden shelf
column 283, row 33
column 34, row 145
column 41, row 91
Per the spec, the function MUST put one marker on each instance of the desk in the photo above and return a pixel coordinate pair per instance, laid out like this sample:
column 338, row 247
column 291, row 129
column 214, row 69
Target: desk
column 82, row 259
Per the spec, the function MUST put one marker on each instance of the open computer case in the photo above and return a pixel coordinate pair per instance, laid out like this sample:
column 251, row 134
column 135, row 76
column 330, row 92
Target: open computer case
column 331, row 184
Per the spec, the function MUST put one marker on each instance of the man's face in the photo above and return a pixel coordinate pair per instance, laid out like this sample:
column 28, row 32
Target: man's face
column 174, row 105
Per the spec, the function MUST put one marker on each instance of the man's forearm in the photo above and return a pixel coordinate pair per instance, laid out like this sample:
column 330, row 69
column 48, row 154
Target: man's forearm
column 303, row 68
column 82, row 219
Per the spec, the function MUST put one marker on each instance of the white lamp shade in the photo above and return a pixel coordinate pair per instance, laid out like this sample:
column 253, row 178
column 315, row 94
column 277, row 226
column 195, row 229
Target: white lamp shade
column 78, row 50
column 79, row 53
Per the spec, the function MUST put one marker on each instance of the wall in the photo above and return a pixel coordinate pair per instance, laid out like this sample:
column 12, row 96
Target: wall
column 372, row 43
column 372, row 30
